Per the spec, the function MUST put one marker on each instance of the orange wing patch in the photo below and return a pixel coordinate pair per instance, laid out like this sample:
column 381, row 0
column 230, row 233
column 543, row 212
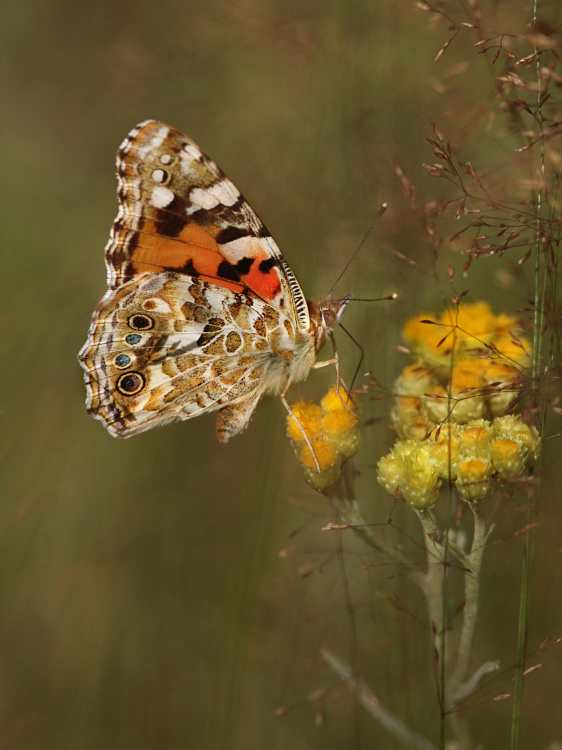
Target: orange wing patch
column 179, row 212
column 195, row 252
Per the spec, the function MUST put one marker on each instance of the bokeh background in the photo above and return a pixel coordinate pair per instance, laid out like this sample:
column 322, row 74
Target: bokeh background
column 144, row 602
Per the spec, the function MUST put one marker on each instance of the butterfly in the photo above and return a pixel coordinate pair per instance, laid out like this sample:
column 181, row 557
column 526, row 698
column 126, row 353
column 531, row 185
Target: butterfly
column 202, row 312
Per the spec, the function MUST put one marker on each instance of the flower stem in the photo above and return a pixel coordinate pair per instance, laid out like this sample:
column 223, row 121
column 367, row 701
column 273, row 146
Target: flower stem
column 533, row 505
column 472, row 591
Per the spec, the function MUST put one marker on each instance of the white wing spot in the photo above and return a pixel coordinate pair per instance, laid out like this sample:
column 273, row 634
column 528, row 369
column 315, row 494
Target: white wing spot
column 158, row 175
column 225, row 191
column 161, row 197
column 152, row 144
column 202, row 198
column 220, row 194
column 166, row 158
column 192, row 151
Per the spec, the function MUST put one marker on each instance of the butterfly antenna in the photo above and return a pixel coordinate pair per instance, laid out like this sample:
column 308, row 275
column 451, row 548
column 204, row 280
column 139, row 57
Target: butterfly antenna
column 392, row 296
column 380, row 212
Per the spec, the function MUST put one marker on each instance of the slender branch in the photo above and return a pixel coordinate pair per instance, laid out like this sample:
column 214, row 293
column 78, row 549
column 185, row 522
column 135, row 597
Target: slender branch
column 344, row 495
column 370, row 703
column 471, row 684
column 436, row 537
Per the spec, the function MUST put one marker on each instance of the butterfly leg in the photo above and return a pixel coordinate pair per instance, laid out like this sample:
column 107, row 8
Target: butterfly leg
column 336, row 362
column 301, row 428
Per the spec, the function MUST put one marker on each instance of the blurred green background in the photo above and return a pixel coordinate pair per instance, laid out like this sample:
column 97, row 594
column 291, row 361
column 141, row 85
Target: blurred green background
column 143, row 600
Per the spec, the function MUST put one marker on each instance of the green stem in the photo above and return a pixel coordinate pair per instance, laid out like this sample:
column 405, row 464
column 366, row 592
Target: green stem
column 433, row 585
column 471, row 595
column 533, row 505
column 522, row 628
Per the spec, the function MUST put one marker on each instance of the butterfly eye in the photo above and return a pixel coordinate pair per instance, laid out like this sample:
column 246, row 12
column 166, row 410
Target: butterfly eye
column 140, row 322
column 130, row 383
column 328, row 318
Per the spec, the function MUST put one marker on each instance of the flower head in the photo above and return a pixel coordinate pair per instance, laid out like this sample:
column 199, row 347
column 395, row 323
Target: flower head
column 462, row 331
column 332, row 436
column 450, row 407
column 474, row 480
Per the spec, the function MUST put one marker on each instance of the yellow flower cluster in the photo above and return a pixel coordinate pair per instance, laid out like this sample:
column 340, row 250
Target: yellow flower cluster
column 466, row 328
column 332, row 429
column 470, row 368
column 449, row 407
column 476, row 457
column 474, row 390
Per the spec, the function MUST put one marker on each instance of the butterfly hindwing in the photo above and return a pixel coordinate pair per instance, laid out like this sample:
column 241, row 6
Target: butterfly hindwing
column 166, row 347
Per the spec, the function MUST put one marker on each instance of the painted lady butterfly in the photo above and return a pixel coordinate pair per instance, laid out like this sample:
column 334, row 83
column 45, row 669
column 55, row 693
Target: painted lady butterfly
column 202, row 312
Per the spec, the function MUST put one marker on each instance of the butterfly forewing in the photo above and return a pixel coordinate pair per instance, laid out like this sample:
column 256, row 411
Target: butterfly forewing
column 180, row 212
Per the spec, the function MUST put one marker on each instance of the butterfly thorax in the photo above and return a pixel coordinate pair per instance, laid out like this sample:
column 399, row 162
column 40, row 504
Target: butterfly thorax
column 325, row 315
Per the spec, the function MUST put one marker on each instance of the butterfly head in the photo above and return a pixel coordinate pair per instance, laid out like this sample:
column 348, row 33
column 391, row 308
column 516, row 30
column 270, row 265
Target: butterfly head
column 325, row 315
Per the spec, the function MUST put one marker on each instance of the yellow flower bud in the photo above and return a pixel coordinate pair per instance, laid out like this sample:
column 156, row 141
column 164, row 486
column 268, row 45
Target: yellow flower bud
column 420, row 482
column 468, row 407
column 444, row 453
column 438, row 404
column 467, row 398
column 338, row 421
column 514, row 350
column 508, row 457
column 341, row 428
column 309, row 416
column 408, row 418
column 341, row 399
column 503, row 383
column 415, row 332
column 321, row 480
column 390, row 471
column 328, row 459
column 513, row 427
column 474, row 479
column 475, row 437
column 449, row 405
column 325, row 454
column 414, row 380
column 466, row 376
